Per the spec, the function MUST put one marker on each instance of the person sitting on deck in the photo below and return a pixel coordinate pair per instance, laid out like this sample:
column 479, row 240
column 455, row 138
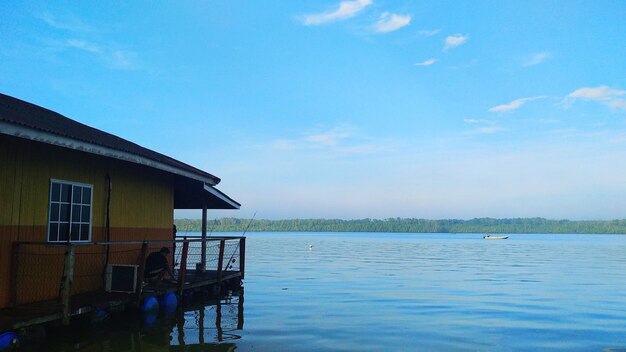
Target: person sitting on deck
column 157, row 266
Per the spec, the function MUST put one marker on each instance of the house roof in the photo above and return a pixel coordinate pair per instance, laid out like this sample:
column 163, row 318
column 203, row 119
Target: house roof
column 25, row 120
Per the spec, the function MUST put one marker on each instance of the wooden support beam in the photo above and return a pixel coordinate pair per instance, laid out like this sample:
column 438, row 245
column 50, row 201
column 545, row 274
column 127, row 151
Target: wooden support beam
column 66, row 283
column 204, row 221
column 180, row 325
column 240, row 311
column 140, row 275
column 201, row 325
column 15, row 267
column 220, row 262
column 174, row 234
column 242, row 256
column 183, row 268
column 218, row 320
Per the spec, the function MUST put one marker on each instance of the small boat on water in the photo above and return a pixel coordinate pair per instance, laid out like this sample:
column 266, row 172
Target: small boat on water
column 489, row 237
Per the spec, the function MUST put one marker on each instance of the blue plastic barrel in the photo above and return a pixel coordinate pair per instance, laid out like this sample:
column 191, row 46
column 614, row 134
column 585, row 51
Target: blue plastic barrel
column 149, row 318
column 99, row 316
column 168, row 303
column 150, row 304
column 8, row 340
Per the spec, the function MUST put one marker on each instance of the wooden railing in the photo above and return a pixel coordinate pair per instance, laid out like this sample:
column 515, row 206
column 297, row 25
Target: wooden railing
column 43, row 271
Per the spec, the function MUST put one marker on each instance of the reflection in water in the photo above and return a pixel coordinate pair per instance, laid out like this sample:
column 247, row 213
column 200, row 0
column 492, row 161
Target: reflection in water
column 212, row 325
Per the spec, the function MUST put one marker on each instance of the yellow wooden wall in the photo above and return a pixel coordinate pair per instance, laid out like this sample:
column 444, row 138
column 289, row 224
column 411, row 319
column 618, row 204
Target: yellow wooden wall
column 142, row 201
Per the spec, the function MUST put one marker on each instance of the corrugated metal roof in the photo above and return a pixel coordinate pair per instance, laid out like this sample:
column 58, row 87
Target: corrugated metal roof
column 21, row 113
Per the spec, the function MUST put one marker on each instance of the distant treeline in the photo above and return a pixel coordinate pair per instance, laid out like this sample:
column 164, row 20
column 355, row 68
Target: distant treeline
column 483, row 225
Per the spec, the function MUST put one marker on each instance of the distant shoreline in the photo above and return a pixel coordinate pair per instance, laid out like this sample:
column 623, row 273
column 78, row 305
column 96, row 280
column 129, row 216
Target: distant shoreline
column 409, row 225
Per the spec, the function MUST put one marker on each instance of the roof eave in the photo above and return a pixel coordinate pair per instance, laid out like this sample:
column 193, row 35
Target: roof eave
column 66, row 142
column 222, row 196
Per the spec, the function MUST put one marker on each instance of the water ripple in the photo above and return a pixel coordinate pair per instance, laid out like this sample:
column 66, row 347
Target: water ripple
column 437, row 292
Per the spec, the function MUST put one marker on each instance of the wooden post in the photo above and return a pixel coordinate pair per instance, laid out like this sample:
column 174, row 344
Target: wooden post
column 240, row 310
column 203, row 259
column 66, row 283
column 242, row 256
column 180, row 325
column 183, row 268
column 220, row 262
column 174, row 234
column 218, row 321
column 140, row 274
column 201, row 326
column 15, row 267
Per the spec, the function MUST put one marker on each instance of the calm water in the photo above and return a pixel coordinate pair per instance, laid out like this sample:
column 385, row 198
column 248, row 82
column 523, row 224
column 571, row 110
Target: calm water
column 402, row 292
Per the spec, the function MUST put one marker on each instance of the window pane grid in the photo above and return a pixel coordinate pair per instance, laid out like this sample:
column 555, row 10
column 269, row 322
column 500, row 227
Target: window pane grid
column 70, row 212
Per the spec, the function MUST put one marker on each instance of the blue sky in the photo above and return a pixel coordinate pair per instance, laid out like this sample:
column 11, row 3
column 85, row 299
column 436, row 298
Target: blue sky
column 349, row 109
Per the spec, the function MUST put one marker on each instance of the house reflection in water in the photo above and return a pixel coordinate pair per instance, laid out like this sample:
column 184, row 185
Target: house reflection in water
column 208, row 326
column 218, row 324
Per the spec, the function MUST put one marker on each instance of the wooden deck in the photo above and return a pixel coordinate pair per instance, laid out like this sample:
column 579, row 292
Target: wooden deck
column 87, row 303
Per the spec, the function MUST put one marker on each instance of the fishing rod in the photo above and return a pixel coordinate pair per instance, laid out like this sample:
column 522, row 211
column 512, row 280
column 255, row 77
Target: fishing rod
column 229, row 263
column 249, row 223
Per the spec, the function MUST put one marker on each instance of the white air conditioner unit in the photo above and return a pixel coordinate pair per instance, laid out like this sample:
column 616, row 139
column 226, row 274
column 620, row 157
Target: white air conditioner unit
column 121, row 278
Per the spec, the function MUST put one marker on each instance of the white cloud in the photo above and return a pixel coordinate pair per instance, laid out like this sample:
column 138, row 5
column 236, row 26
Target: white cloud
column 428, row 32
column 115, row 58
column 489, row 130
column 514, row 105
column 340, row 140
column 473, row 121
column 537, row 58
column 598, row 93
column 330, row 138
column 105, row 52
column 488, row 126
column 426, row 62
column 601, row 94
column 389, row 22
column 83, row 45
column 68, row 23
column 346, row 9
column 619, row 104
column 453, row 41
column 122, row 60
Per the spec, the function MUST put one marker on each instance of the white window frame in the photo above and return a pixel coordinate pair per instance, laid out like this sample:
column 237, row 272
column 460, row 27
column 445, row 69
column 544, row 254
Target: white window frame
column 75, row 221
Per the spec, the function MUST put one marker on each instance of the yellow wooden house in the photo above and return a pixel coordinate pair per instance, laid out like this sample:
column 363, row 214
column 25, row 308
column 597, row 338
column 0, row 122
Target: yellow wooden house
column 62, row 181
